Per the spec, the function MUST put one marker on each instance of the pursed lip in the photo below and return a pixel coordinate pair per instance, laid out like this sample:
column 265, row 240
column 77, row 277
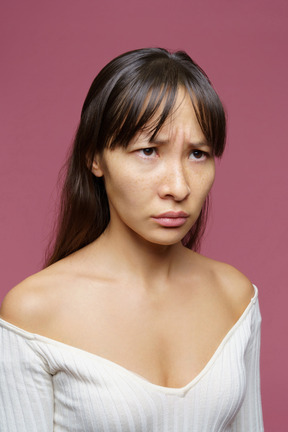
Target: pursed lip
column 171, row 219
column 172, row 215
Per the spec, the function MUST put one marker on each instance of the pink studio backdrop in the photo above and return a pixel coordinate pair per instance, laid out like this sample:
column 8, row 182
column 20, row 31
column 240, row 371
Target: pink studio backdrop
column 50, row 53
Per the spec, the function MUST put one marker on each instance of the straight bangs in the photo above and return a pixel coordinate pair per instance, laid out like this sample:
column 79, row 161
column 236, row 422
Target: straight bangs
column 142, row 107
column 137, row 91
column 146, row 103
column 210, row 115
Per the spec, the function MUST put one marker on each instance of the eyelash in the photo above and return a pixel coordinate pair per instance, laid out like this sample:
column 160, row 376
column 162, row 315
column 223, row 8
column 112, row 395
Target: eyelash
column 147, row 148
column 154, row 149
column 202, row 153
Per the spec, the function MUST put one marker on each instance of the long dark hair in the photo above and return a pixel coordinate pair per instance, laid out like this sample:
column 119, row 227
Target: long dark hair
column 122, row 99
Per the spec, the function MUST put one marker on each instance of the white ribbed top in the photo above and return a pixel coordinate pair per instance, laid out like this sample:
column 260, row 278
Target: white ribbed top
column 48, row 386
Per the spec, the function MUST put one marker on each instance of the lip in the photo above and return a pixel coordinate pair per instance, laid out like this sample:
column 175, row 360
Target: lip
column 171, row 219
column 172, row 214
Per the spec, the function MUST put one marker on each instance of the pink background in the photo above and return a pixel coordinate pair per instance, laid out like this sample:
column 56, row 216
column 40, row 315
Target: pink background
column 50, row 53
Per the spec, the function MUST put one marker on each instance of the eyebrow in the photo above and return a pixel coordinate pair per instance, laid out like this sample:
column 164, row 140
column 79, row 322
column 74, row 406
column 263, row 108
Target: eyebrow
column 192, row 144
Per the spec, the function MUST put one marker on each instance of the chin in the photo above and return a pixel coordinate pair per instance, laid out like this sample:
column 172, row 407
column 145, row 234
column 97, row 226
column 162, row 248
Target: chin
column 165, row 240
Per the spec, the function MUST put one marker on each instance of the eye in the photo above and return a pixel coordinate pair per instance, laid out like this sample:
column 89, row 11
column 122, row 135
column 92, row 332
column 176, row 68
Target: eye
column 149, row 151
column 198, row 154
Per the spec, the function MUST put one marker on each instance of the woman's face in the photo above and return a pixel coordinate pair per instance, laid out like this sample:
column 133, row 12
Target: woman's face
column 156, row 189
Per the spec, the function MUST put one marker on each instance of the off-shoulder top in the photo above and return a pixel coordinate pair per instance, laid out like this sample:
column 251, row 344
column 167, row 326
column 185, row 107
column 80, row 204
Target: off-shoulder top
column 48, row 386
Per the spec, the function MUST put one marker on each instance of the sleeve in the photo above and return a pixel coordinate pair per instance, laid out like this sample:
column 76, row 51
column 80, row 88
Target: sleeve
column 26, row 390
column 249, row 417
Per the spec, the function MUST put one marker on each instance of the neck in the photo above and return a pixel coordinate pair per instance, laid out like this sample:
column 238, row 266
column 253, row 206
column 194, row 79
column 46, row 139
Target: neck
column 129, row 254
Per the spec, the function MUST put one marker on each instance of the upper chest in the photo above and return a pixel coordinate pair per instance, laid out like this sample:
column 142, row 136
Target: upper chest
column 168, row 340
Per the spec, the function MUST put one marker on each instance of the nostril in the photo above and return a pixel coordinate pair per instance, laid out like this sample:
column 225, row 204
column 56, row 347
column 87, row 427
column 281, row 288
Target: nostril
column 175, row 187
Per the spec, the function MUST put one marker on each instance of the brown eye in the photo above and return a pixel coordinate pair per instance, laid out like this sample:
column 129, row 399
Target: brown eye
column 198, row 154
column 149, row 151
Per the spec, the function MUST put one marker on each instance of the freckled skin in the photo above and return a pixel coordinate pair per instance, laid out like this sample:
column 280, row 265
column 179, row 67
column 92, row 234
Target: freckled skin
column 136, row 295
column 167, row 176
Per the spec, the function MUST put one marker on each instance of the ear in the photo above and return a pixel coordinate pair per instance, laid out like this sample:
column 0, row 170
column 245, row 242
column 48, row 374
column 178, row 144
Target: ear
column 96, row 168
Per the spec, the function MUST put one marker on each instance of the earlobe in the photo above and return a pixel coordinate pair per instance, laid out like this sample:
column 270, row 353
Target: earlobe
column 96, row 169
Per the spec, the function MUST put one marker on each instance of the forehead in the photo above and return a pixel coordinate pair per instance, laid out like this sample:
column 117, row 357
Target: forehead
column 181, row 120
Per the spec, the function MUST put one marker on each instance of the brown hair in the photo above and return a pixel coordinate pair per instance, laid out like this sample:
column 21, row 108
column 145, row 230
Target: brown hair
column 114, row 110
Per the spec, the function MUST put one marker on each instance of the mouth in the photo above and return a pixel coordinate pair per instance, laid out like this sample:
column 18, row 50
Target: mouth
column 171, row 219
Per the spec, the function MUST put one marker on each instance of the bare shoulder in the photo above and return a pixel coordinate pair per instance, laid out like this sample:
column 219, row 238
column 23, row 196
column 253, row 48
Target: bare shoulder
column 236, row 288
column 234, row 283
column 28, row 303
column 33, row 303
column 42, row 302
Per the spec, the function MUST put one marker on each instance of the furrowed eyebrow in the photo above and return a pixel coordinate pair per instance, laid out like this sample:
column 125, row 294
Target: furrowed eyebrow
column 160, row 142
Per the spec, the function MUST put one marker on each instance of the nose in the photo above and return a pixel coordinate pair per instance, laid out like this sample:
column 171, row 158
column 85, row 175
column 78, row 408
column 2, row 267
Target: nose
column 173, row 183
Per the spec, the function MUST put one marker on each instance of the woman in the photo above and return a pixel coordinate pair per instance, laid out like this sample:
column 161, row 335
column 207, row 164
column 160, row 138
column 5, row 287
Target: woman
column 127, row 328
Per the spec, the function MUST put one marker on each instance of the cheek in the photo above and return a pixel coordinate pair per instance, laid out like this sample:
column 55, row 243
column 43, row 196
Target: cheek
column 127, row 190
column 206, row 181
column 210, row 182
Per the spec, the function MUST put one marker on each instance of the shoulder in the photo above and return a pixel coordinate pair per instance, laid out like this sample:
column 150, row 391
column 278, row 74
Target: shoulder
column 27, row 304
column 235, row 288
column 33, row 303
column 40, row 303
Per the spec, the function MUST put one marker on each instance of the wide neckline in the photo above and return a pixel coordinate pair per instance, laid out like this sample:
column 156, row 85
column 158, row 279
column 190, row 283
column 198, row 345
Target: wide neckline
column 126, row 371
